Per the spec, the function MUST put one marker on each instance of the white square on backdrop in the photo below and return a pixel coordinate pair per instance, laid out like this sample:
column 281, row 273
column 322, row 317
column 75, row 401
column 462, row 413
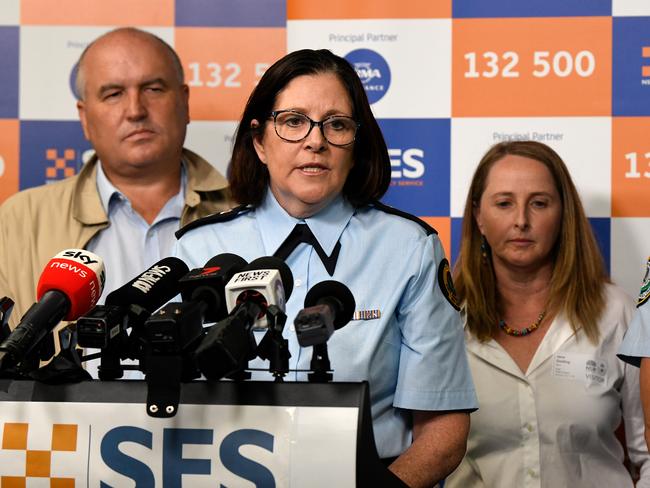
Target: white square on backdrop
column 417, row 51
column 583, row 143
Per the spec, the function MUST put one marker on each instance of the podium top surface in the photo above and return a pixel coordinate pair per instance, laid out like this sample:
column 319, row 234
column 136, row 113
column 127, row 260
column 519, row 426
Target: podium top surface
column 196, row 392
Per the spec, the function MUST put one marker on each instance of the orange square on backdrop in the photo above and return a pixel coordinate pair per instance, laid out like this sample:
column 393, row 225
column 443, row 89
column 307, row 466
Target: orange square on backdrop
column 443, row 226
column 15, row 436
column 64, row 437
column 62, row 483
column 13, row 481
column 38, row 464
column 9, row 162
column 532, row 67
column 97, row 12
column 220, row 75
column 368, row 9
column 630, row 167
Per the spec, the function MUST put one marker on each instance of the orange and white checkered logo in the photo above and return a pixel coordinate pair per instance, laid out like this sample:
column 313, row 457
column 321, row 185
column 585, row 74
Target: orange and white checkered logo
column 38, row 462
column 63, row 164
column 645, row 68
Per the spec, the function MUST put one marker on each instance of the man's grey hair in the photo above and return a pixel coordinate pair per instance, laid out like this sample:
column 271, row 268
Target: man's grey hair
column 79, row 84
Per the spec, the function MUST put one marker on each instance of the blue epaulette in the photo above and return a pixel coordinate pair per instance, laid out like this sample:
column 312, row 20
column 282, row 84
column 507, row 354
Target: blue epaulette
column 400, row 213
column 224, row 216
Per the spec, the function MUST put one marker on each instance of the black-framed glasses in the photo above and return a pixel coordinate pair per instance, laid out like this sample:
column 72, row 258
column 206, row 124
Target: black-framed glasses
column 292, row 126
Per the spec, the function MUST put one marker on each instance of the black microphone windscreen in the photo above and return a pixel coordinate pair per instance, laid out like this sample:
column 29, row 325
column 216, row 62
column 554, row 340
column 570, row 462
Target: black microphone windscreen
column 228, row 261
column 271, row 262
column 153, row 288
column 331, row 290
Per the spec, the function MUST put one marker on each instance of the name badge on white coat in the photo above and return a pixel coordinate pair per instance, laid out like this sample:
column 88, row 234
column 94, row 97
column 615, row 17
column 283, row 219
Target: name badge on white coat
column 580, row 367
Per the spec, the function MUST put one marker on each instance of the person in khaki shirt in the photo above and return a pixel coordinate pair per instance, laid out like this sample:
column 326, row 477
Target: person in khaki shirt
column 135, row 192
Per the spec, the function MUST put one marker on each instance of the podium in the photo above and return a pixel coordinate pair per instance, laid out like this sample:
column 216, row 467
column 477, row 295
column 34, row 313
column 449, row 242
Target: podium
column 225, row 434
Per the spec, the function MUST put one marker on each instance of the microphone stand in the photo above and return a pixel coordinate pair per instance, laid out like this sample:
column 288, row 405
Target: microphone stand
column 320, row 365
column 169, row 337
column 273, row 346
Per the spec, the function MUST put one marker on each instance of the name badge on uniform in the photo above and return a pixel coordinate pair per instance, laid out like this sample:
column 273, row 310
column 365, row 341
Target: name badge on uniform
column 372, row 314
column 580, row 367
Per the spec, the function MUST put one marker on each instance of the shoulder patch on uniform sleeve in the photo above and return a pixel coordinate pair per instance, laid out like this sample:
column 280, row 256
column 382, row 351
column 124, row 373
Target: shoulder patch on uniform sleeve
column 447, row 284
column 644, row 294
column 400, row 213
column 224, row 216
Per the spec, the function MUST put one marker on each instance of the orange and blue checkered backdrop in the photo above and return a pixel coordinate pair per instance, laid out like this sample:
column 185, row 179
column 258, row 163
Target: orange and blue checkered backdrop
column 446, row 79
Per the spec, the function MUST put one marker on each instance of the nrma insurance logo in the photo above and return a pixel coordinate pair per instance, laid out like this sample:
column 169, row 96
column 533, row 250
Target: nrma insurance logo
column 73, row 81
column 373, row 70
column 419, row 152
column 51, row 151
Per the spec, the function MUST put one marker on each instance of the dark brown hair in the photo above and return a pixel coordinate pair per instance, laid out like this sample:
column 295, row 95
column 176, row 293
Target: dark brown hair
column 370, row 176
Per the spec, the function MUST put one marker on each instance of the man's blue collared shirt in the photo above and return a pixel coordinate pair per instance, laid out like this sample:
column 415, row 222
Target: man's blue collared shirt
column 406, row 339
column 130, row 245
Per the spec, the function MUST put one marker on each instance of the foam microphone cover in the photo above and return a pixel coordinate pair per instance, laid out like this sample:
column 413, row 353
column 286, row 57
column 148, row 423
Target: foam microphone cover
column 207, row 284
column 152, row 288
column 337, row 296
column 229, row 263
column 76, row 273
column 271, row 262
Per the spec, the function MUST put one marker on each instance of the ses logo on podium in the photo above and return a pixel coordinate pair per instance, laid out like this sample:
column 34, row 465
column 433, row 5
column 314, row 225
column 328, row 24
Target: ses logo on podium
column 87, row 444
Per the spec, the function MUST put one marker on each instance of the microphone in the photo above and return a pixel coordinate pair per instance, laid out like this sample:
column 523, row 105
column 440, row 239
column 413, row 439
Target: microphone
column 208, row 284
column 131, row 303
column 128, row 306
column 265, row 281
column 253, row 295
column 69, row 286
column 176, row 325
column 173, row 331
column 329, row 305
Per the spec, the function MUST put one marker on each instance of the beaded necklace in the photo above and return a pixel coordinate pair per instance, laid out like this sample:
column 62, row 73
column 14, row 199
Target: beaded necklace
column 521, row 332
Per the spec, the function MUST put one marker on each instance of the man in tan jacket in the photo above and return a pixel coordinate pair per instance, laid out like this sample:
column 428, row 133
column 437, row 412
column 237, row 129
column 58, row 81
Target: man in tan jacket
column 139, row 188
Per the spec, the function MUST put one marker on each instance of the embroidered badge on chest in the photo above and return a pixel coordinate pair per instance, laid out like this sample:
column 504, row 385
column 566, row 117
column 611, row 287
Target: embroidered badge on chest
column 645, row 286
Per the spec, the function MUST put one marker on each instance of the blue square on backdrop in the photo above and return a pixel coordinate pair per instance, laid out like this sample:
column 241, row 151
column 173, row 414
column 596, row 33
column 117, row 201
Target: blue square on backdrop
column 600, row 225
column 630, row 88
column 419, row 151
column 50, row 151
column 9, row 52
column 530, row 8
column 231, row 13
column 456, row 232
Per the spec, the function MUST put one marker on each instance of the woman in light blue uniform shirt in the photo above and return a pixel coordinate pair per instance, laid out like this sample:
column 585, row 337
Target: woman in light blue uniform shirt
column 309, row 151
column 635, row 348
